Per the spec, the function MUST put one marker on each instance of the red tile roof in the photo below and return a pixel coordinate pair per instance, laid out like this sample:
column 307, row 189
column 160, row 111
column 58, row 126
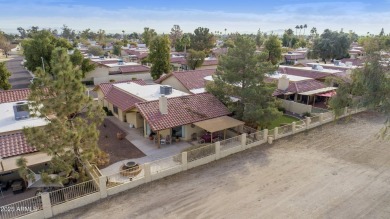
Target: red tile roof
column 182, row 110
column 179, row 60
column 106, row 87
column 301, row 86
column 14, row 144
column 133, row 69
column 123, row 100
column 14, row 95
column 357, row 62
column 303, row 73
column 190, row 79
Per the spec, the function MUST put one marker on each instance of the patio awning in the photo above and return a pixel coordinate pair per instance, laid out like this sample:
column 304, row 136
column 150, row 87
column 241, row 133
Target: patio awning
column 327, row 94
column 322, row 90
column 219, row 123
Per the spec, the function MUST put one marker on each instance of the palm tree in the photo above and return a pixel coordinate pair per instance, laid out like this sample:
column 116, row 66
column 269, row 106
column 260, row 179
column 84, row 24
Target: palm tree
column 186, row 42
column 123, row 34
column 300, row 29
column 225, row 31
column 304, row 30
column 296, row 29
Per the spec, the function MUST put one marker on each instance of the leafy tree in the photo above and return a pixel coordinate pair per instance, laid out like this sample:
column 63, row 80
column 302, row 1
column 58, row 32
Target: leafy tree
column 370, row 87
column 78, row 60
column 148, row 35
column 22, row 32
column 274, row 49
column 117, row 50
column 259, row 38
column 68, row 33
column 4, row 76
column 240, row 74
column 289, row 40
column 71, row 135
column 228, row 43
column 382, row 33
column 195, row 59
column 176, row 34
column 5, row 44
column 95, row 50
column 331, row 45
column 38, row 49
column 202, row 39
column 159, row 56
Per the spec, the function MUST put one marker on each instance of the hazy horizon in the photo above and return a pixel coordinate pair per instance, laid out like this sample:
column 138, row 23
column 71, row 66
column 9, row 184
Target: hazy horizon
column 361, row 16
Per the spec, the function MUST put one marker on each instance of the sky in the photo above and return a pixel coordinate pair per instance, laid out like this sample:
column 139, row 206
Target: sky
column 243, row 16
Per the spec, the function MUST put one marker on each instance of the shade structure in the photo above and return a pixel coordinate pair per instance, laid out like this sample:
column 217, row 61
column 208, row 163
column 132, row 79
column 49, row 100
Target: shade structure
column 327, row 94
column 38, row 183
column 219, row 123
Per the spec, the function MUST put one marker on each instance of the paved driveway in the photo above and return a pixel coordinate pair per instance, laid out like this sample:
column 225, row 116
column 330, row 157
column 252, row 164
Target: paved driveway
column 20, row 77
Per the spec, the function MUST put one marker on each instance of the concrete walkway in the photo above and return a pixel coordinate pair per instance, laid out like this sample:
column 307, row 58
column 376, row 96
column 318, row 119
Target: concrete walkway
column 147, row 146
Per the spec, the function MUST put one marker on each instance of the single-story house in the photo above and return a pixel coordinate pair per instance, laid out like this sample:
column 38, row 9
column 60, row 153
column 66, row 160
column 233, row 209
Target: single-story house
column 185, row 116
column 180, row 63
column 336, row 65
column 120, row 98
column 116, row 70
column 300, row 89
column 14, row 117
column 314, row 72
column 187, row 81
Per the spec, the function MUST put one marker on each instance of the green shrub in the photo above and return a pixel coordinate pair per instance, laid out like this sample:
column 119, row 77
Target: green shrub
column 306, row 114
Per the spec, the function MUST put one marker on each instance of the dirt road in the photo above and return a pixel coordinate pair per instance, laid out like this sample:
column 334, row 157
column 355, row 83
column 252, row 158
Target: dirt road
column 335, row 171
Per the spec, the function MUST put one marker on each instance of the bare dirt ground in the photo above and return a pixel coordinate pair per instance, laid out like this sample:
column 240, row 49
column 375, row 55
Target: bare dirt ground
column 117, row 149
column 339, row 170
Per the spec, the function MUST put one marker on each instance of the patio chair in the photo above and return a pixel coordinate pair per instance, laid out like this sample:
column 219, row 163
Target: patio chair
column 200, row 140
column 168, row 139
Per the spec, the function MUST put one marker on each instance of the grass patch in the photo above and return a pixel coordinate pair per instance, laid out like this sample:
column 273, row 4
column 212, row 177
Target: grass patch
column 284, row 119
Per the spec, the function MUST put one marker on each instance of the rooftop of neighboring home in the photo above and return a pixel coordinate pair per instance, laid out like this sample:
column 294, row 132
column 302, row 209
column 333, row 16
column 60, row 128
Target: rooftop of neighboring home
column 290, row 84
column 14, row 95
column 210, row 61
column 130, row 69
column 308, row 71
column 146, row 92
column 106, row 87
column 356, row 62
column 191, row 80
column 337, row 65
column 12, row 121
column 182, row 110
column 14, row 144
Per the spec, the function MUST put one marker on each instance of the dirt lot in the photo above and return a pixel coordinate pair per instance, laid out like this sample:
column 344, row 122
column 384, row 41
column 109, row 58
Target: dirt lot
column 339, row 170
column 117, row 149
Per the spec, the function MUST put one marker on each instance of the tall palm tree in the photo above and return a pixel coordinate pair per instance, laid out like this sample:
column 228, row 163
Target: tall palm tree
column 296, row 29
column 304, row 30
column 300, row 29
column 225, row 31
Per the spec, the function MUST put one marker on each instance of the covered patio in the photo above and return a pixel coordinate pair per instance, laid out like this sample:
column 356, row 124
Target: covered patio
column 216, row 125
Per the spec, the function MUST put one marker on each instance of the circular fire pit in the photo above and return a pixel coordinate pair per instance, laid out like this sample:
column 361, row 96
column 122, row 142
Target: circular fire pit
column 130, row 169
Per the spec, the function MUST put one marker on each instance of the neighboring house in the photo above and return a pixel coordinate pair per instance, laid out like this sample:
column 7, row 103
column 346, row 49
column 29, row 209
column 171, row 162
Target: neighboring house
column 103, row 89
column 317, row 72
column 116, row 70
column 186, row 116
column 14, row 117
column 356, row 51
column 300, row 94
column 187, row 81
column 337, row 65
column 135, row 54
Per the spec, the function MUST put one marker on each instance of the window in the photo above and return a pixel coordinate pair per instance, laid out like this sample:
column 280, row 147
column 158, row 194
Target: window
column 115, row 108
column 22, row 107
column 178, row 131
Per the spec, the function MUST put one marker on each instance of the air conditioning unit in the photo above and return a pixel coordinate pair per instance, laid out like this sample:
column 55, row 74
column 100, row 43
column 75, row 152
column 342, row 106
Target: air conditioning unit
column 21, row 111
column 317, row 67
column 337, row 62
column 165, row 89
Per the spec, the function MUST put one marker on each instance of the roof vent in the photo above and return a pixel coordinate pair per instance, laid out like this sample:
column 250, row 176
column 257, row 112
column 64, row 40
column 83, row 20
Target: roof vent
column 120, row 62
column 336, row 62
column 21, row 111
column 165, row 90
column 317, row 67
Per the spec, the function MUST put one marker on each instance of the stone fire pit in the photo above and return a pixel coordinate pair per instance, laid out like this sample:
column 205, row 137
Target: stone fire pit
column 130, row 169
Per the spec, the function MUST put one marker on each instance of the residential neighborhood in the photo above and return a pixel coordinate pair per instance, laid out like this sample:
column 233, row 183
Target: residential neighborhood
column 162, row 113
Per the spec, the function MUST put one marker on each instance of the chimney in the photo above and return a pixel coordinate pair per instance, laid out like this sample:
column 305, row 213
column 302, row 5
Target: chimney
column 163, row 104
column 283, row 83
